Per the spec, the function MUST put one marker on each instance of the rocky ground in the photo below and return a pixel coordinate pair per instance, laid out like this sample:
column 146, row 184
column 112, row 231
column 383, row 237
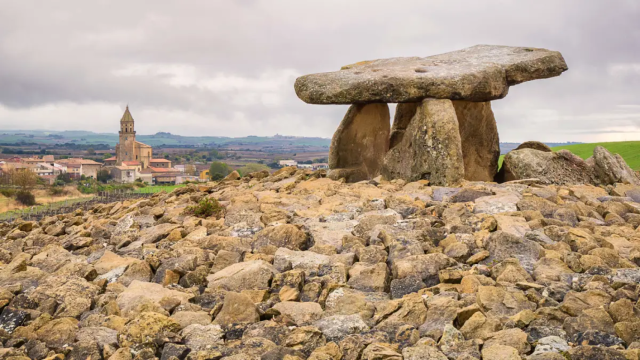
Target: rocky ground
column 301, row 266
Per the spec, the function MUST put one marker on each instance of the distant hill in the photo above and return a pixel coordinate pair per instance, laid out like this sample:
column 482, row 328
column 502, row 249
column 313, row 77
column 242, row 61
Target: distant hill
column 161, row 138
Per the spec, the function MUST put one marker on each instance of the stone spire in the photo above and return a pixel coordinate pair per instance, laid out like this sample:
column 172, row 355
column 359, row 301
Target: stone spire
column 126, row 117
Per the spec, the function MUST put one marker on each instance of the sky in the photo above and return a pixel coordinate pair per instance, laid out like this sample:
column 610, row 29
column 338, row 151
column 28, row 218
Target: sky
column 227, row 67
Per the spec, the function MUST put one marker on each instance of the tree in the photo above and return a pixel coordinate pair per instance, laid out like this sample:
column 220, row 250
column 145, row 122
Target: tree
column 103, row 175
column 91, row 151
column 24, row 178
column 190, row 169
column 250, row 168
column 218, row 170
column 106, row 155
column 64, row 177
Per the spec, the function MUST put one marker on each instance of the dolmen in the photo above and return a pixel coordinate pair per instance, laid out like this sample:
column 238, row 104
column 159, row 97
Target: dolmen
column 443, row 130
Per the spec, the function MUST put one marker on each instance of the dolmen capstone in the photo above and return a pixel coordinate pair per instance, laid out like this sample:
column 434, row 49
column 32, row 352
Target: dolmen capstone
column 443, row 130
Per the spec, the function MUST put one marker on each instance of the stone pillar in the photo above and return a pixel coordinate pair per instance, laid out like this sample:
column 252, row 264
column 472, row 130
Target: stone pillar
column 479, row 139
column 404, row 114
column 428, row 146
column 360, row 143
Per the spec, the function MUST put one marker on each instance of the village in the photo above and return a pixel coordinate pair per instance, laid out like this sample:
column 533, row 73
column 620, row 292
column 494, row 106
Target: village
column 133, row 161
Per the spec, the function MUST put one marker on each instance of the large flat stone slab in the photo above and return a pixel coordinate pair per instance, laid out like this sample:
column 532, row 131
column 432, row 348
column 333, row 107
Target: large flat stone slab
column 478, row 73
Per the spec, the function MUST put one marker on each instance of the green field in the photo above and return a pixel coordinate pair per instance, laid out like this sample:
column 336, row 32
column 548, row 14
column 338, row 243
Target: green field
column 158, row 188
column 629, row 150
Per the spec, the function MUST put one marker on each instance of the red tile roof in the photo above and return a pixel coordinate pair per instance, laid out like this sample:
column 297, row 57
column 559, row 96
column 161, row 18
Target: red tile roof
column 131, row 163
column 165, row 170
column 159, row 161
column 113, row 158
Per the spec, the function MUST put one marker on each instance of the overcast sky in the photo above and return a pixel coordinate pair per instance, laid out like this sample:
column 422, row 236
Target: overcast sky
column 227, row 68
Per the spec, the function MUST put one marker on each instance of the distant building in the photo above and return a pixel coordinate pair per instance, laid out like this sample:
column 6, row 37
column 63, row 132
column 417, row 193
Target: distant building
column 160, row 163
column 44, row 169
column 79, row 166
column 110, row 161
column 182, row 178
column 318, row 166
column 305, row 166
column 124, row 174
column 288, row 163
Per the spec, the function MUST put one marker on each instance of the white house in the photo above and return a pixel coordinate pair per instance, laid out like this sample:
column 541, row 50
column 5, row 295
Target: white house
column 288, row 163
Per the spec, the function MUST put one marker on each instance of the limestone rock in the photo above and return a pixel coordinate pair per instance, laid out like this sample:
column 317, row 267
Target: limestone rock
column 500, row 352
column 58, row 333
column 237, row 309
column 594, row 352
column 201, row 337
column 140, row 293
column 301, row 313
column 360, row 142
column 478, row 73
column 287, row 236
column 146, row 328
column 248, row 275
column 337, row 327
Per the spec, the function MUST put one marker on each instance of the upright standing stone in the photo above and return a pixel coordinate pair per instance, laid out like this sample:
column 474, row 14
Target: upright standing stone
column 402, row 118
column 430, row 146
column 480, row 143
column 359, row 144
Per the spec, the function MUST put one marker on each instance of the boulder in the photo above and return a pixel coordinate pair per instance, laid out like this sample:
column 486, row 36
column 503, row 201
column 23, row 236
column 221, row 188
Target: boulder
column 611, row 169
column 560, row 168
column 360, row 142
column 478, row 73
column 536, row 145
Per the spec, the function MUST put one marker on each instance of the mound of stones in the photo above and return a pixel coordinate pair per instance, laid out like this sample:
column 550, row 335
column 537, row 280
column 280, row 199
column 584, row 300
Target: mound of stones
column 300, row 266
column 443, row 130
column 535, row 160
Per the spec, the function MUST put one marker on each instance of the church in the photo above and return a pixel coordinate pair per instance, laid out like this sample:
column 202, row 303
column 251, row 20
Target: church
column 129, row 150
column 135, row 159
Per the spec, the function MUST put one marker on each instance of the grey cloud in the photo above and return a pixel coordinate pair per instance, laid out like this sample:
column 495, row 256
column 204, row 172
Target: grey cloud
column 231, row 60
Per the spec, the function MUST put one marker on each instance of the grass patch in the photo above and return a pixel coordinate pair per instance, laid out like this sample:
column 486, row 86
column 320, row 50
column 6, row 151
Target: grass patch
column 206, row 207
column 157, row 188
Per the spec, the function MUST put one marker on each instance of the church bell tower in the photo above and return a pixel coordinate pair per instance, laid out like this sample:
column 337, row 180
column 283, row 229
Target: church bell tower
column 125, row 150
